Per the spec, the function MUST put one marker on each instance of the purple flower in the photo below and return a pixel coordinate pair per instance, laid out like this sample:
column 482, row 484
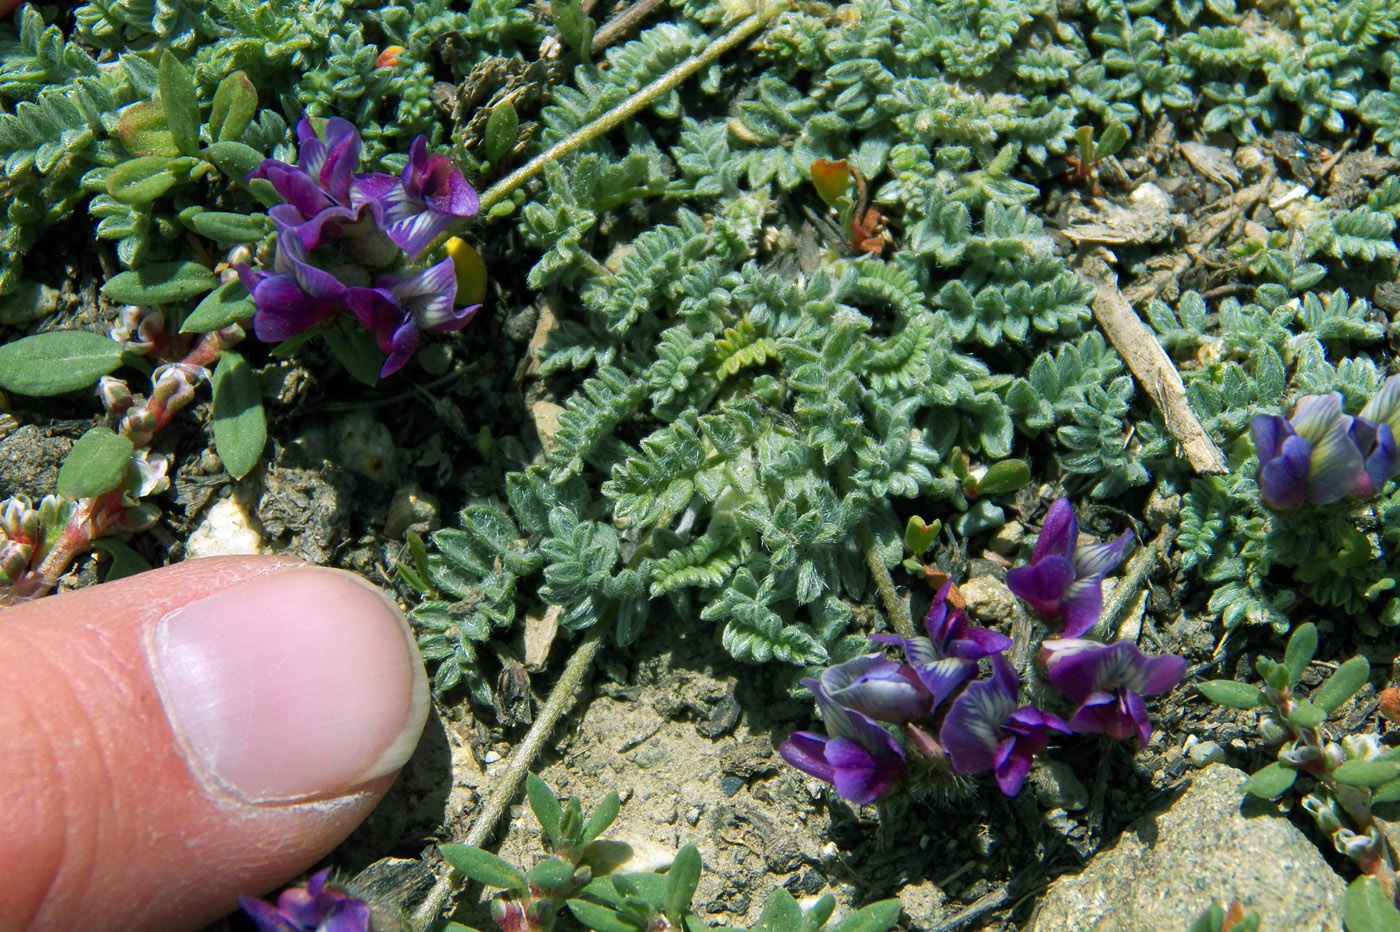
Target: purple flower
column 415, row 208
column 880, row 688
column 1377, row 437
column 395, row 310
column 295, row 296
column 1064, row 580
column 985, row 730
column 319, row 186
column 1313, row 455
column 857, row 756
column 1107, row 682
column 313, row 908
column 948, row 657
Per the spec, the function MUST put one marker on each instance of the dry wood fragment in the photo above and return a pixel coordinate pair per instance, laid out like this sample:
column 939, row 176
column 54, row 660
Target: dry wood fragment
column 1152, row 367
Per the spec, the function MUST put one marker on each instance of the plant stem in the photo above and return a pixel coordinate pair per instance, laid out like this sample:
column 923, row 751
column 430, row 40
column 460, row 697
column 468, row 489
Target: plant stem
column 1125, row 593
column 628, row 108
column 560, row 699
column 895, row 607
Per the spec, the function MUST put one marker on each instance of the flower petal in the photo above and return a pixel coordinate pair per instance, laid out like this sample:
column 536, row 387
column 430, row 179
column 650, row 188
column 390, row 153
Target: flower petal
column 1058, row 534
column 943, row 677
column 1269, row 430
column 1336, row 464
column 1101, row 559
column 1043, row 583
column 265, row 916
column 1081, row 606
column 1314, row 415
column 1384, row 406
column 1283, row 480
column 806, row 751
column 402, row 346
column 285, row 309
column 862, row 777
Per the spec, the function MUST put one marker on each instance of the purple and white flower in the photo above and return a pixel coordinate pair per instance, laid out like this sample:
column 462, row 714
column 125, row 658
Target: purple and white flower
column 313, row 908
column 987, row 730
column 397, row 310
column 428, row 197
column 1313, row 455
column 948, row 657
column 1065, row 580
column 1107, row 683
column 861, row 759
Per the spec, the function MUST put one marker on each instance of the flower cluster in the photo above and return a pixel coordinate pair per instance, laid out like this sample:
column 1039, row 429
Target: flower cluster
column 881, row 715
column 1321, row 455
column 313, row 908
column 348, row 242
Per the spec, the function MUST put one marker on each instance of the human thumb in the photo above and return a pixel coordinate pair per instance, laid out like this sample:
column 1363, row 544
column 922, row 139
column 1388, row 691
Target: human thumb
column 172, row 740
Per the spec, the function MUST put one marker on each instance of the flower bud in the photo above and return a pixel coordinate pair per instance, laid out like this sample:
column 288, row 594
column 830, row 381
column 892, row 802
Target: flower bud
column 1271, row 729
column 508, row 915
column 1333, row 756
column 14, row 559
column 1323, row 813
column 115, row 395
column 1362, row 747
column 1299, row 755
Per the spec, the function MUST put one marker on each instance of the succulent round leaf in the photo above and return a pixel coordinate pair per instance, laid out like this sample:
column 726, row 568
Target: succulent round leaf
column 1271, row 782
column 1233, row 694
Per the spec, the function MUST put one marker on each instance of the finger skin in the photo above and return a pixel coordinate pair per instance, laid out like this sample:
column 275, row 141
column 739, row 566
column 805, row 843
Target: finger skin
column 106, row 826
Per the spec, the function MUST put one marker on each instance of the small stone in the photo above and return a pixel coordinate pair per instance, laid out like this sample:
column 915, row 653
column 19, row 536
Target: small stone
column 1205, row 753
column 435, row 358
column 225, row 529
column 1057, row 787
column 365, row 445
column 1148, row 196
column 545, row 416
column 1162, row 509
column 490, row 757
column 692, row 815
column 988, row 600
column 1165, row 869
column 1007, row 540
column 923, row 903
column 412, row 509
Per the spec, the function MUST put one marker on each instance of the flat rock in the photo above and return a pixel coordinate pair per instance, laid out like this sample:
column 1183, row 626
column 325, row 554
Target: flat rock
column 1167, row 867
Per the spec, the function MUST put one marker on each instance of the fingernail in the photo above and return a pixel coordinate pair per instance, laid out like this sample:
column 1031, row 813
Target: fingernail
column 300, row 684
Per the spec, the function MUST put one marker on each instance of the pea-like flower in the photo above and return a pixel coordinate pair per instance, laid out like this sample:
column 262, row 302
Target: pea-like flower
column 1314, row 456
column 881, row 688
column 1065, row 580
column 857, row 756
column 417, row 207
column 948, row 657
column 986, row 730
column 1107, row 682
column 313, row 908
column 396, row 310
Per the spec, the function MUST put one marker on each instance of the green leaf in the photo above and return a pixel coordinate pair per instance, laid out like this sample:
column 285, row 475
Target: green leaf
column 125, row 561
column 551, row 874
column 545, row 806
column 97, row 464
column 877, row 917
column 1115, row 135
column 1004, row 476
column 780, row 913
column 1302, row 647
column 483, row 867
column 502, row 129
column 235, row 102
column 1271, row 782
column 601, row 818
column 1386, row 792
column 1342, row 685
column 54, row 363
column 1367, row 773
column 142, row 130
column 140, row 180
column 240, row 428
column 574, row 26
column 222, row 306
column 1208, row 921
column 918, row 536
column 235, row 160
column 160, row 283
column 600, row 918
column 228, row 227
column 1305, row 715
column 681, row 881
column 1368, row 909
column 181, row 103
column 1233, row 694
column 355, row 349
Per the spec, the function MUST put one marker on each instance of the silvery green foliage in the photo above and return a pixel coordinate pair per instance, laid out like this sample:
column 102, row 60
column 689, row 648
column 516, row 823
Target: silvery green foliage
column 60, row 109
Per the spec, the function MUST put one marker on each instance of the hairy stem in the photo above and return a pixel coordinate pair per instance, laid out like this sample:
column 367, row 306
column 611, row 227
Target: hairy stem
column 628, row 108
column 895, row 607
column 560, row 699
